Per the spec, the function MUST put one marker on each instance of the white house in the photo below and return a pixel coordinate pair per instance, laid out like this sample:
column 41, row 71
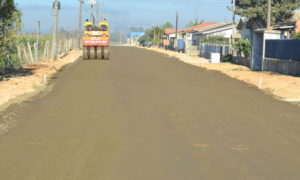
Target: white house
column 223, row 29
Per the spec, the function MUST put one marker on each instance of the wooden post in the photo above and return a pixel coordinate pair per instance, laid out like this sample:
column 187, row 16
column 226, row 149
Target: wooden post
column 37, row 42
column 66, row 46
column 30, row 52
column 48, row 50
column 26, row 55
column 45, row 50
column 19, row 54
column 59, row 47
column 35, row 47
column 70, row 44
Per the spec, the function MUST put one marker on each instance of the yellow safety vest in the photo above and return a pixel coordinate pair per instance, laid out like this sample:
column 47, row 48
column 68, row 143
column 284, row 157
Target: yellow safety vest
column 88, row 23
column 103, row 23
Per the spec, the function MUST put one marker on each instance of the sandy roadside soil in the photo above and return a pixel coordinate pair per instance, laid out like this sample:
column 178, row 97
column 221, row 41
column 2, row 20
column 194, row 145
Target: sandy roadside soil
column 283, row 87
column 34, row 77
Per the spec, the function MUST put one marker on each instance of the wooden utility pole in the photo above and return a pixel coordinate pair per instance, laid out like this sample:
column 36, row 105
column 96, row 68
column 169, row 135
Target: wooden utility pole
column 177, row 19
column 37, row 41
column 92, row 4
column 154, row 32
column 233, row 9
column 269, row 14
column 98, row 13
column 54, row 30
column 120, row 36
column 79, row 25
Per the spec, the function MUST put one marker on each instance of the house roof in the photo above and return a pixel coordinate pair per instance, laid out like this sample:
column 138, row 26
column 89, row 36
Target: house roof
column 243, row 21
column 216, row 27
column 199, row 26
column 172, row 30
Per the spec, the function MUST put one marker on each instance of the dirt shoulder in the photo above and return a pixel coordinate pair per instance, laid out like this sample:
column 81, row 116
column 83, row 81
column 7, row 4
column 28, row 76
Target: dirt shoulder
column 283, row 87
column 31, row 78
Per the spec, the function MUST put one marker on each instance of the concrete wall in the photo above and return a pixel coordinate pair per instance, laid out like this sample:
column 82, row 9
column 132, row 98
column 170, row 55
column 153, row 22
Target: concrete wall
column 244, row 61
column 282, row 66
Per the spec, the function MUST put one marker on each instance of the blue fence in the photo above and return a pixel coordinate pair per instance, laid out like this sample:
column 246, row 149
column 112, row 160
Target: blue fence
column 283, row 49
column 180, row 44
column 206, row 49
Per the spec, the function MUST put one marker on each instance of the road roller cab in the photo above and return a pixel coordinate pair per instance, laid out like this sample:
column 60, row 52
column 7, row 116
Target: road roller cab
column 96, row 42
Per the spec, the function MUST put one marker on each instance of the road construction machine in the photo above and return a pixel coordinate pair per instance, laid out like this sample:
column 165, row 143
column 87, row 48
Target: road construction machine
column 96, row 42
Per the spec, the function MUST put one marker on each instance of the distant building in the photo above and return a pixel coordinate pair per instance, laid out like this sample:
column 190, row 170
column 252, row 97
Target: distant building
column 134, row 37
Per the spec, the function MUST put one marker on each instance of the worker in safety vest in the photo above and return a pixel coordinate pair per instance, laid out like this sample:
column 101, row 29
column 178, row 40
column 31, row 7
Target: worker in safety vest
column 103, row 25
column 88, row 24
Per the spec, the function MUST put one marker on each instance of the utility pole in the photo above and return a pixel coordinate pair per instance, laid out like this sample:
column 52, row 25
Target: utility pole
column 120, row 36
column 233, row 20
column 177, row 18
column 269, row 14
column 98, row 14
column 54, row 29
column 92, row 4
column 79, row 25
column 37, row 41
column 233, row 9
column 154, row 31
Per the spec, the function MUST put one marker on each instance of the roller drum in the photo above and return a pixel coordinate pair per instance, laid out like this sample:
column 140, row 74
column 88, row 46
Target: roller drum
column 93, row 52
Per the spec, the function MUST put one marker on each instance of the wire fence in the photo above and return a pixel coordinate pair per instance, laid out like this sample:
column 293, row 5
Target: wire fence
column 33, row 53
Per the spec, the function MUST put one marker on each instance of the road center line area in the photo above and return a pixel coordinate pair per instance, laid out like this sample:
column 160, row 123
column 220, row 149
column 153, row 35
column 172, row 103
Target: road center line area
column 144, row 116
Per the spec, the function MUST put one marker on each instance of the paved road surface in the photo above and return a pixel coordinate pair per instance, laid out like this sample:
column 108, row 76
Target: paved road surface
column 143, row 116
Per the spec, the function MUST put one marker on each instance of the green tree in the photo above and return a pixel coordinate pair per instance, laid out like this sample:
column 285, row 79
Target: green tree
column 297, row 35
column 158, row 31
column 256, row 10
column 10, row 24
column 167, row 25
column 194, row 23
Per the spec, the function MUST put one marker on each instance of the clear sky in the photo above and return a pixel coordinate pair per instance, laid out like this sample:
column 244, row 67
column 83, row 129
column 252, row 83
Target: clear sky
column 124, row 13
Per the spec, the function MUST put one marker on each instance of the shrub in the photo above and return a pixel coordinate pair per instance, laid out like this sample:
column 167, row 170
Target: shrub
column 216, row 40
column 297, row 35
column 227, row 58
column 10, row 24
column 244, row 46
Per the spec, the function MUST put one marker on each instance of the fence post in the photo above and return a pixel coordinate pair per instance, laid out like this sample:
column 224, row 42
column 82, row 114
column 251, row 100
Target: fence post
column 45, row 50
column 30, row 52
column 19, row 54
column 37, row 42
column 26, row 55
column 66, row 46
column 48, row 49
column 60, row 47
column 35, row 47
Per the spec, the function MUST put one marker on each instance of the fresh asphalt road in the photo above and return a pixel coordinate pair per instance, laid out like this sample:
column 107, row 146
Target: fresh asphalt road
column 144, row 116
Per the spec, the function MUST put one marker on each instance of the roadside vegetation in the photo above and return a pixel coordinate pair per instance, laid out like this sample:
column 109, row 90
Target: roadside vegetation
column 297, row 35
column 255, row 10
column 216, row 40
column 154, row 35
column 243, row 46
column 23, row 39
column 10, row 24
